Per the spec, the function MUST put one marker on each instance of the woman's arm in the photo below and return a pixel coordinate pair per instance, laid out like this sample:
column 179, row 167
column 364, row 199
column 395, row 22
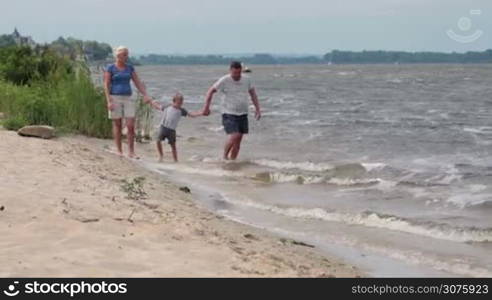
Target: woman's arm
column 141, row 88
column 107, row 88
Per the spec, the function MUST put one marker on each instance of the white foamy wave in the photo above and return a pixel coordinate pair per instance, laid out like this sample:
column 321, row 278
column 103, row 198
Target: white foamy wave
column 278, row 177
column 373, row 166
column 386, row 185
column 408, row 256
column 306, row 166
column 215, row 160
column 371, row 219
column 460, row 267
column 282, row 113
column 395, row 80
column 350, row 73
column 306, row 122
column 470, row 199
column 479, row 130
column 210, row 159
column 352, row 181
column 215, row 129
column 448, row 179
column 196, row 171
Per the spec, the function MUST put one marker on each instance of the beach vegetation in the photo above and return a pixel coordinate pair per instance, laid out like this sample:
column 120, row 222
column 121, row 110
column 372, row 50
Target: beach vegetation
column 40, row 87
column 134, row 188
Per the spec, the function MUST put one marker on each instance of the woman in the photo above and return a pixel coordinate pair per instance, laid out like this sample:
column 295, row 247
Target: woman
column 120, row 104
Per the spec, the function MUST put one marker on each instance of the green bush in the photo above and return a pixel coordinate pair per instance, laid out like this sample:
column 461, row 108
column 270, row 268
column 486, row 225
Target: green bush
column 41, row 88
column 14, row 123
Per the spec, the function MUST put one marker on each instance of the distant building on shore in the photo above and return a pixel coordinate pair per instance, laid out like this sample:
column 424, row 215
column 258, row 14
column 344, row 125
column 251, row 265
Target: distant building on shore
column 22, row 40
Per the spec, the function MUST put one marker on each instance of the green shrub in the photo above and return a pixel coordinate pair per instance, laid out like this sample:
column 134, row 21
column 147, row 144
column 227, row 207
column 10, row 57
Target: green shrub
column 41, row 88
column 14, row 123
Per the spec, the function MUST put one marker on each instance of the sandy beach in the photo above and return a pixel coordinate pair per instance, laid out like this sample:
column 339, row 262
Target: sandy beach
column 63, row 213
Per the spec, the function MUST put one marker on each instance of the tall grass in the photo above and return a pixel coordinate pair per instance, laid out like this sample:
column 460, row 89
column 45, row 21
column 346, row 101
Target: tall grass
column 144, row 117
column 64, row 97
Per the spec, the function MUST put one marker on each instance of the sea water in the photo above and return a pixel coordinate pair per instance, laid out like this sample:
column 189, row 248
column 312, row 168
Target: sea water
column 389, row 166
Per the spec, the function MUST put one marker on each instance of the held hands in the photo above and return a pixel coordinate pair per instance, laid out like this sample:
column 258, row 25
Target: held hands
column 206, row 111
column 147, row 99
column 153, row 103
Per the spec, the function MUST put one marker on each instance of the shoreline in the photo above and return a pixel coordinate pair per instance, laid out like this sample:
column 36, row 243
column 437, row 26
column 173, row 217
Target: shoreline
column 65, row 215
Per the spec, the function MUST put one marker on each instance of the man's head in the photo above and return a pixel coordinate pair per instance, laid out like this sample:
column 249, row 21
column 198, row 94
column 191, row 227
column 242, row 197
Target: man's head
column 236, row 69
column 178, row 100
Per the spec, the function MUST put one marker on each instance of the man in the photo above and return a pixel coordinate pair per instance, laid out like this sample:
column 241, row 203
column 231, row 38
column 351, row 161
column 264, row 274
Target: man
column 236, row 90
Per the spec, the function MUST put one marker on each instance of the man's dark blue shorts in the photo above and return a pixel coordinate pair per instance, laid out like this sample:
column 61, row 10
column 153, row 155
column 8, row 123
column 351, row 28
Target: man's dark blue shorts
column 235, row 124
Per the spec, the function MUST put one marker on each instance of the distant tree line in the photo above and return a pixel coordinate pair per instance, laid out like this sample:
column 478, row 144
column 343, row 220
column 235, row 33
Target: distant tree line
column 334, row 57
column 382, row 57
column 96, row 51
column 257, row 59
column 91, row 50
column 6, row 40
column 68, row 47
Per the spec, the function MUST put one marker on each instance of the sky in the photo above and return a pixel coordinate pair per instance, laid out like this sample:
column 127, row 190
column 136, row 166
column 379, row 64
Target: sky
column 257, row 26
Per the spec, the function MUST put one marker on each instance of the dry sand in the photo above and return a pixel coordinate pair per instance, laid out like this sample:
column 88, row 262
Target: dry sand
column 63, row 213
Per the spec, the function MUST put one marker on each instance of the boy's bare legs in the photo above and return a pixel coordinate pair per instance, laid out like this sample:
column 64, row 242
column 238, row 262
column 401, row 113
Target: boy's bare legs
column 117, row 135
column 159, row 149
column 175, row 152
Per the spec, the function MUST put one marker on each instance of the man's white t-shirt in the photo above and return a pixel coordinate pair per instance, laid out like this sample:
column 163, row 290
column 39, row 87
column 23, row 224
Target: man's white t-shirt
column 235, row 94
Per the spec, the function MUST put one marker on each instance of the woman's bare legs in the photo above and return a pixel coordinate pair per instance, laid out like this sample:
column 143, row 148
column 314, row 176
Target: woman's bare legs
column 130, row 125
column 117, row 135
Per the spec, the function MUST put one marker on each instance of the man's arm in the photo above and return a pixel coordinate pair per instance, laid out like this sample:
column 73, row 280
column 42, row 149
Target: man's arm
column 208, row 100
column 194, row 114
column 256, row 103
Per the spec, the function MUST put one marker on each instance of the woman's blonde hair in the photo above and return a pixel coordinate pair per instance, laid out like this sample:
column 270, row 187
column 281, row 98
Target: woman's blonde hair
column 120, row 49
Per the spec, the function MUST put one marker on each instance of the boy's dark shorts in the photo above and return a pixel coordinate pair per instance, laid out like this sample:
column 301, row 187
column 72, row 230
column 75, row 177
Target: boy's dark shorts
column 235, row 124
column 167, row 133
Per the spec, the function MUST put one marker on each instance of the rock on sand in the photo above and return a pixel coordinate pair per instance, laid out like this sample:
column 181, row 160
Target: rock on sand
column 42, row 131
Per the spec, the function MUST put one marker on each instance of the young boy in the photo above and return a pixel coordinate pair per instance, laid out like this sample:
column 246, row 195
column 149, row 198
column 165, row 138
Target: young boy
column 171, row 114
